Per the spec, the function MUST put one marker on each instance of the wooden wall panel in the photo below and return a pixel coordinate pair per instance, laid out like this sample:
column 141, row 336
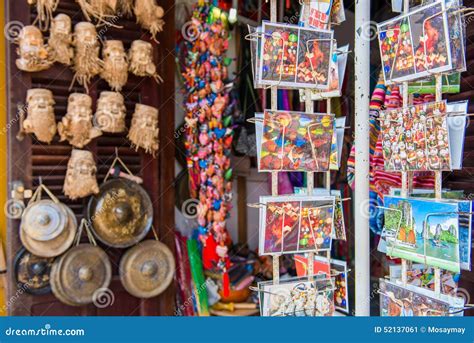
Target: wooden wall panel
column 31, row 161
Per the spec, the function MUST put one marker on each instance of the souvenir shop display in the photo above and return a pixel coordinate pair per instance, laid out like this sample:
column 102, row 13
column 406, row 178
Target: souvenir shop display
column 408, row 301
column 121, row 213
column 32, row 272
column 111, row 112
column 298, row 297
column 209, row 135
column 147, row 269
column 150, row 16
column 140, row 57
column 144, row 129
column 80, row 180
column 32, row 52
column 48, row 227
column 44, row 10
column 78, row 276
column 115, row 70
column 86, row 62
column 60, row 40
column 40, row 118
column 77, row 126
column 296, row 224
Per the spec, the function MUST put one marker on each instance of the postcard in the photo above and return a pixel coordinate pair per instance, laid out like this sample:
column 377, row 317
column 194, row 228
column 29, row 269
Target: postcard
column 293, row 56
column 423, row 230
column 338, row 14
column 336, row 269
column 451, row 84
column 415, row 45
column 421, row 276
column 339, row 222
column 295, row 224
column 294, row 141
column 298, row 297
column 337, row 73
column 424, row 137
column 408, row 301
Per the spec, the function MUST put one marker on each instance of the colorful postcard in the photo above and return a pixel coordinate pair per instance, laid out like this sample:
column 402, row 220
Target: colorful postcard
column 399, row 301
column 294, row 56
column 295, row 141
column 421, row 276
column 338, row 14
column 415, row 138
column 336, row 269
column 295, row 224
column 423, row 230
column 339, row 232
column 451, row 84
column 415, row 45
column 297, row 297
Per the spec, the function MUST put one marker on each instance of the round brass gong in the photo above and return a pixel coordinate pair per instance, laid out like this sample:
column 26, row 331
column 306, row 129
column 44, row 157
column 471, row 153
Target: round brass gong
column 121, row 214
column 79, row 273
column 44, row 220
column 147, row 269
column 55, row 246
column 33, row 272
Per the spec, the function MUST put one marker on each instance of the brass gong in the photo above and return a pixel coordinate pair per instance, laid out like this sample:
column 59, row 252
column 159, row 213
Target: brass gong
column 79, row 273
column 49, row 244
column 33, row 272
column 147, row 269
column 44, row 220
column 121, row 214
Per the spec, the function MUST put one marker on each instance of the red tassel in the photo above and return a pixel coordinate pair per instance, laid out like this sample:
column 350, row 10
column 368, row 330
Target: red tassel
column 226, row 284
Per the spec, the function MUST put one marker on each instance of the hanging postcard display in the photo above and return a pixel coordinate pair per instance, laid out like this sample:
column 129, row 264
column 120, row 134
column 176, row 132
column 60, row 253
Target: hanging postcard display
column 423, row 230
column 421, row 137
column 295, row 224
column 399, row 301
column 416, row 45
column 293, row 56
column 298, row 297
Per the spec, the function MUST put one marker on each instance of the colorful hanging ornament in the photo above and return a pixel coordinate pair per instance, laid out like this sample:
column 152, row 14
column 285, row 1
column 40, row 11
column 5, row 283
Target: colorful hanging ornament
column 209, row 133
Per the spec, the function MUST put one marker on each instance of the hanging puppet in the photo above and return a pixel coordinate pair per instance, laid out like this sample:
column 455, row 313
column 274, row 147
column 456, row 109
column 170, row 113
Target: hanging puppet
column 149, row 16
column 141, row 60
column 115, row 70
column 87, row 63
column 60, row 40
column 209, row 134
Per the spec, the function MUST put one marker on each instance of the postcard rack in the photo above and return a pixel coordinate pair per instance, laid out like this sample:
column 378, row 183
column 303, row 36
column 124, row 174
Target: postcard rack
column 406, row 175
column 309, row 109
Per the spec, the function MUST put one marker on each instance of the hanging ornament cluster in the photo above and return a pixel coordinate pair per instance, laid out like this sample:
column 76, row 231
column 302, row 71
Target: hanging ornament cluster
column 209, row 132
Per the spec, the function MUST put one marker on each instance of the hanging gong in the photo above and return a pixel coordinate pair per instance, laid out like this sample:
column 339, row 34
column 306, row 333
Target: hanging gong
column 121, row 214
column 44, row 220
column 53, row 247
column 147, row 269
column 32, row 272
column 80, row 273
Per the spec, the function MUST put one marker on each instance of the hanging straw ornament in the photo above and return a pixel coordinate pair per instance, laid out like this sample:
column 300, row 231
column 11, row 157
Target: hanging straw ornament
column 144, row 129
column 40, row 120
column 87, row 63
column 103, row 11
column 45, row 9
column 60, row 40
column 76, row 126
column 149, row 16
column 80, row 180
column 141, row 60
column 32, row 51
column 111, row 112
column 125, row 7
column 115, row 70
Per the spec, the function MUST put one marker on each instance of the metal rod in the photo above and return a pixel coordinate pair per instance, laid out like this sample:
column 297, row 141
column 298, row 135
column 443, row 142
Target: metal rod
column 438, row 182
column 362, row 130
